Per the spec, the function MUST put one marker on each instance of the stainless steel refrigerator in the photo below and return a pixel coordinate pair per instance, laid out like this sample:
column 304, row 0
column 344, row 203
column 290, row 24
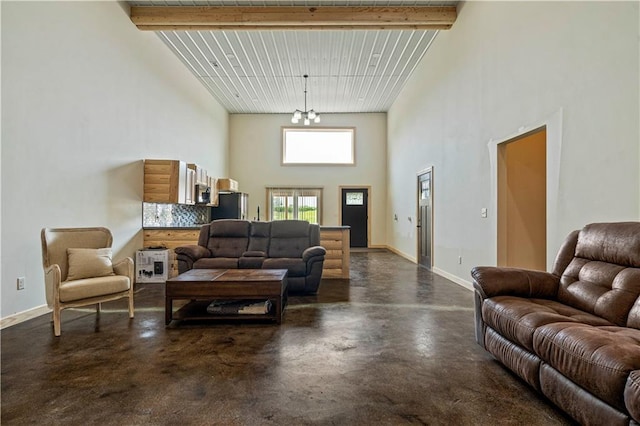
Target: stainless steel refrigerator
column 231, row 205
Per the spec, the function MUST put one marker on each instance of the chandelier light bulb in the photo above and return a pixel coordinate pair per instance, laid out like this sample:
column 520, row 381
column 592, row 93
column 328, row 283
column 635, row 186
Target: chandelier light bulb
column 306, row 122
column 317, row 119
column 294, row 120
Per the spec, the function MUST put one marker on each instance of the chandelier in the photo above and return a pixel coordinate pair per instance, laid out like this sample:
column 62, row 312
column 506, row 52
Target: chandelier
column 307, row 116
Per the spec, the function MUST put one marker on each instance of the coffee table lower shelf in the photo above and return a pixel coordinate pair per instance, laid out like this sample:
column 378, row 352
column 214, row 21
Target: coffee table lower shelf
column 196, row 310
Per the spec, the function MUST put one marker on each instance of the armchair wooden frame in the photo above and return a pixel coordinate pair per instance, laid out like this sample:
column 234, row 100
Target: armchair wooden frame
column 55, row 242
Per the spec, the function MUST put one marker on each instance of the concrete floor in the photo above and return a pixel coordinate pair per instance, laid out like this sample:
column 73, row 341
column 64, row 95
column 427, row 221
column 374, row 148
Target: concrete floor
column 394, row 345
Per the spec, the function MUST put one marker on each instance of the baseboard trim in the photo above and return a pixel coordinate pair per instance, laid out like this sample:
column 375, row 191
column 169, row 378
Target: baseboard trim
column 402, row 254
column 23, row 316
column 438, row 271
column 456, row 279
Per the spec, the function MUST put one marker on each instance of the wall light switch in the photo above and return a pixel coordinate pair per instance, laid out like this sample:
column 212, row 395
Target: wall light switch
column 483, row 212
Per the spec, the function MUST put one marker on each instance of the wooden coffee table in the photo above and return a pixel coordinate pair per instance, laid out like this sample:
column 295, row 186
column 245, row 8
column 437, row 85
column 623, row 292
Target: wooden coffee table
column 201, row 286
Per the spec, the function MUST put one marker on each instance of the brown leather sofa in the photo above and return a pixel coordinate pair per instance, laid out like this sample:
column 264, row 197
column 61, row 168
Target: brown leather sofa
column 573, row 334
column 282, row 244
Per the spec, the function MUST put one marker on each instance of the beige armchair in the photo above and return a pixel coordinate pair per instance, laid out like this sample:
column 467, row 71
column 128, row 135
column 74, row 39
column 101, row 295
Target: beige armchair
column 78, row 270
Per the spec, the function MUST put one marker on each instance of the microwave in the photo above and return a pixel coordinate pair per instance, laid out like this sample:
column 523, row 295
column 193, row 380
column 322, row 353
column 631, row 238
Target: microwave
column 203, row 194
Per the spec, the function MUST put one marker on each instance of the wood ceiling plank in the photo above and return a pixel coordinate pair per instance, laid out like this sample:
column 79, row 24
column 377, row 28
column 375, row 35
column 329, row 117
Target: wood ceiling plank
column 159, row 18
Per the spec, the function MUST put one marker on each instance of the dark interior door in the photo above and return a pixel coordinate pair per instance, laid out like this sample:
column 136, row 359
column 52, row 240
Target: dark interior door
column 355, row 206
column 425, row 225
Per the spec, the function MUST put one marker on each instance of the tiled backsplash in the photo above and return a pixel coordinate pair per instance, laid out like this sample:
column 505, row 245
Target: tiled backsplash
column 173, row 215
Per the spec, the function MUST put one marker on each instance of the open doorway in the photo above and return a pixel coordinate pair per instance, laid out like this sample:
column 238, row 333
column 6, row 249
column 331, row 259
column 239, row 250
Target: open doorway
column 522, row 201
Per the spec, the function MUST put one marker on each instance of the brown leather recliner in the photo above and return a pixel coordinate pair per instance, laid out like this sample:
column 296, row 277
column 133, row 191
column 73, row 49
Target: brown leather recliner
column 573, row 334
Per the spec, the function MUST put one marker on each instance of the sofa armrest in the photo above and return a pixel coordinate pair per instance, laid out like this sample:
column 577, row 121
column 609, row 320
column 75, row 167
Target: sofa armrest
column 312, row 252
column 193, row 252
column 492, row 281
column 254, row 253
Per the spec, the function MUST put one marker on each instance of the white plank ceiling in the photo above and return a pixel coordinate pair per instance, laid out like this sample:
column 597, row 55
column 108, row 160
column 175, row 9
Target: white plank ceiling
column 262, row 71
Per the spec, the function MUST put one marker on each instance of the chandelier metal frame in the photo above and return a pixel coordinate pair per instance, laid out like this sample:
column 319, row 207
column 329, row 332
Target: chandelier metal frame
column 306, row 115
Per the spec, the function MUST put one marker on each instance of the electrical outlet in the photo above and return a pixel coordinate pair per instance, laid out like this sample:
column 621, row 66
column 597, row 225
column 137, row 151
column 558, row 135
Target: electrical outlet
column 20, row 283
column 459, row 260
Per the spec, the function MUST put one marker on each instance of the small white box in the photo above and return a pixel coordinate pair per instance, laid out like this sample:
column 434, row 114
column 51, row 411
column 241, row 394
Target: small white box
column 152, row 266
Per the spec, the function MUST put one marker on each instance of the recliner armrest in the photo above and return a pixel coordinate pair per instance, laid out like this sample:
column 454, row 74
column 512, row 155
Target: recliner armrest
column 193, row 252
column 314, row 251
column 492, row 281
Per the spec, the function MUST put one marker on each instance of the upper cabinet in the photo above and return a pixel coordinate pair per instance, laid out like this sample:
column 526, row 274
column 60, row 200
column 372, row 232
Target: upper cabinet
column 200, row 174
column 190, row 193
column 167, row 181
column 178, row 182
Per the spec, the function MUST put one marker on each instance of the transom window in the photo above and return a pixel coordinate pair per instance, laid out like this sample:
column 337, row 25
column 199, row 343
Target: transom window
column 295, row 203
column 318, row 146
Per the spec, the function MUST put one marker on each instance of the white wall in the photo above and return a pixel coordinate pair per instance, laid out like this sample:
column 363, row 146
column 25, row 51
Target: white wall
column 86, row 97
column 255, row 157
column 498, row 72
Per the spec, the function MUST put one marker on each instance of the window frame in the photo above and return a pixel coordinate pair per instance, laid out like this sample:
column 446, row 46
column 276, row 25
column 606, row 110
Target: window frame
column 294, row 190
column 285, row 129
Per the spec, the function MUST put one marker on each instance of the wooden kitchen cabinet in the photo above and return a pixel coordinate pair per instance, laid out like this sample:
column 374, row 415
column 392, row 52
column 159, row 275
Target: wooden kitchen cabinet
column 201, row 177
column 170, row 238
column 165, row 181
column 190, row 190
column 213, row 185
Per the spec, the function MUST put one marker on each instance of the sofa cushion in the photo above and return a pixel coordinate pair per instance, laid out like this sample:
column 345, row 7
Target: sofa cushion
column 93, row 287
column 289, row 238
column 604, row 276
column 216, row 263
column 517, row 318
column 632, row 395
column 617, row 243
column 296, row 266
column 228, row 237
column 260, row 234
column 633, row 320
column 599, row 359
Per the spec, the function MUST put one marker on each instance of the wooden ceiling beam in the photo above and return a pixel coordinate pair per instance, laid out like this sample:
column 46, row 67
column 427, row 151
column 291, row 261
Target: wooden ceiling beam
column 159, row 18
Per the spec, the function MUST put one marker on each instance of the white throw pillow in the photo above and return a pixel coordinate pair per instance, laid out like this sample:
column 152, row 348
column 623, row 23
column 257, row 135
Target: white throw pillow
column 88, row 263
